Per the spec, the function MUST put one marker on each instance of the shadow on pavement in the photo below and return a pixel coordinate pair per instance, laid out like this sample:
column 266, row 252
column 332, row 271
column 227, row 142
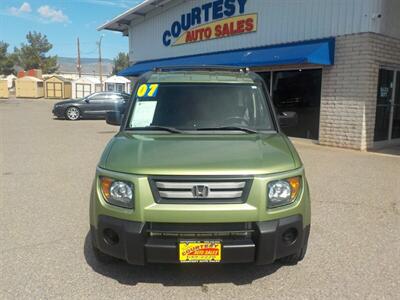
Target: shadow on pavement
column 390, row 150
column 79, row 120
column 177, row 275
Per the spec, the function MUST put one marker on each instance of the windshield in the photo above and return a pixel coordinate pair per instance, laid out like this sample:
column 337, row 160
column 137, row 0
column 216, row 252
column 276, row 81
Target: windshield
column 202, row 106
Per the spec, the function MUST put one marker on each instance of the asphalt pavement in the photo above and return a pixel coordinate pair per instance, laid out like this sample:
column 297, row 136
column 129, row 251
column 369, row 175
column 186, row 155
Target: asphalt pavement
column 46, row 170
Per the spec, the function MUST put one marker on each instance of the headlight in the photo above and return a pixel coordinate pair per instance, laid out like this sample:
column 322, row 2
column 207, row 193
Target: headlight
column 283, row 192
column 116, row 192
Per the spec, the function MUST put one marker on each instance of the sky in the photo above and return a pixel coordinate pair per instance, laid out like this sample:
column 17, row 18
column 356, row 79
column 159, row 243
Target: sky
column 63, row 21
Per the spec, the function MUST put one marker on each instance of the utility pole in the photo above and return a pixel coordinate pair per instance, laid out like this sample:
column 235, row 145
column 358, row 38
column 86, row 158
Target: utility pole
column 78, row 63
column 100, row 64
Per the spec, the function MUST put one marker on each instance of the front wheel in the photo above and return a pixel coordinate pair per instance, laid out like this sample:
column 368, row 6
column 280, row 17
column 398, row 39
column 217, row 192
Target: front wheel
column 72, row 113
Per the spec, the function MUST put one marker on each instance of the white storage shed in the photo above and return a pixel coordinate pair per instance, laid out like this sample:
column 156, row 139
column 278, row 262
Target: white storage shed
column 85, row 86
column 117, row 84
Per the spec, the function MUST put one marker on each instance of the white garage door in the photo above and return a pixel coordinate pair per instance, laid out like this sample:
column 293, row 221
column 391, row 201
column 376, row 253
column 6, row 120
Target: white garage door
column 83, row 90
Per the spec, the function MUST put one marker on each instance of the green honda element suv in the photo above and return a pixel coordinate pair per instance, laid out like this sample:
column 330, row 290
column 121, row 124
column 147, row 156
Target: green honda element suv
column 200, row 172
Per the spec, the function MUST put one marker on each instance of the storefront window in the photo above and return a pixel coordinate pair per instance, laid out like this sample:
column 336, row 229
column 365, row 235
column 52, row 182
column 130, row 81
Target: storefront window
column 299, row 91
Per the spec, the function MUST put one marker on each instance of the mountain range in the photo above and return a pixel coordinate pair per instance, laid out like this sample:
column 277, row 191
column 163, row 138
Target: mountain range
column 89, row 65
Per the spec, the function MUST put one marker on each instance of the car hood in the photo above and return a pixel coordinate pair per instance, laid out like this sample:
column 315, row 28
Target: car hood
column 175, row 154
column 69, row 101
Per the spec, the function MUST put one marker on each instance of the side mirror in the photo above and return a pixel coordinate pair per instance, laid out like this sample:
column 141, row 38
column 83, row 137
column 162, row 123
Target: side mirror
column 114, row 118
column 87, row 100
column 288, row 119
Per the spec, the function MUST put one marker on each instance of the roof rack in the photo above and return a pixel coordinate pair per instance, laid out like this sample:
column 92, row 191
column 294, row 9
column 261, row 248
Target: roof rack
column 202, row 68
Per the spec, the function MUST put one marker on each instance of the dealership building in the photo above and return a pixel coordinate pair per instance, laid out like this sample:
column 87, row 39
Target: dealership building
column 334, row 62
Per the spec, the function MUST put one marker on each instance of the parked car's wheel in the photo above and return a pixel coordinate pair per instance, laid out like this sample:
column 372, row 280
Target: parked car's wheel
column 72, row 113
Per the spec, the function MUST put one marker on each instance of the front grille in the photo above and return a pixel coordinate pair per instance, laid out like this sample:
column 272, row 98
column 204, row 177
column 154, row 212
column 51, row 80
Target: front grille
column 209, row 230
column 197, row 190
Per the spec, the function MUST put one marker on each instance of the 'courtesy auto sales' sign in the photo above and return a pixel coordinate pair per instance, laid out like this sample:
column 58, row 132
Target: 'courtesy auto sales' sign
column 213, row 20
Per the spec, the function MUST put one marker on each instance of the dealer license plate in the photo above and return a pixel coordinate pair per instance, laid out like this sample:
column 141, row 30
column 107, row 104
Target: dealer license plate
column 199, row 252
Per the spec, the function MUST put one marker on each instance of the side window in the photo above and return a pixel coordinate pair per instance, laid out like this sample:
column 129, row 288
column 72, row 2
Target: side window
column 92, row 97
column 115, row 97
column 99, row 97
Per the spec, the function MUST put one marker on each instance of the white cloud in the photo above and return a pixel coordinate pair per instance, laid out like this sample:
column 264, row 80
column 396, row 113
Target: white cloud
column 24, row 8
column 52, row 14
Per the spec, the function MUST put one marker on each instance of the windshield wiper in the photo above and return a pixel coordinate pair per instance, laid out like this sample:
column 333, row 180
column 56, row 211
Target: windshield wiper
column 155, row 127
column 245, row 129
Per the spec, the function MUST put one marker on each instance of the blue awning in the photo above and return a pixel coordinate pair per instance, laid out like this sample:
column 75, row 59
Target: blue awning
column 317, row 52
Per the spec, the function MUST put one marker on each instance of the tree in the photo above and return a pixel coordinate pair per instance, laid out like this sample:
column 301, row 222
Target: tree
column 6, row 60
column 33, row 55
column 121, row 62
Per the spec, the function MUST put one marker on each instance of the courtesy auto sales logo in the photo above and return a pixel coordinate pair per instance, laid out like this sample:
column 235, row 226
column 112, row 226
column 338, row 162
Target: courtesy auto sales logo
column 222, row 18
column 201, row 250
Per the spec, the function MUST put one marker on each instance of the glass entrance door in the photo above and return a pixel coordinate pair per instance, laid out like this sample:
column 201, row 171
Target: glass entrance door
column 387, row 121
column 383, row 105
column 396, row 110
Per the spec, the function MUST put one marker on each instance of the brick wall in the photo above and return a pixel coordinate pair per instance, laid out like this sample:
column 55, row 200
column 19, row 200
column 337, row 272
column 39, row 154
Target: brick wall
column 349, row 89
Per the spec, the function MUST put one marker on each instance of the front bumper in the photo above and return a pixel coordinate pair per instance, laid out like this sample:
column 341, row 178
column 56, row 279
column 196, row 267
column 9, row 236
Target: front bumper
column 58, row 112
column 135, row 244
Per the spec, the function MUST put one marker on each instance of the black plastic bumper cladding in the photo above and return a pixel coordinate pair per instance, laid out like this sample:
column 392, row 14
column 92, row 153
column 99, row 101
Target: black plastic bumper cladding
column 263, row 246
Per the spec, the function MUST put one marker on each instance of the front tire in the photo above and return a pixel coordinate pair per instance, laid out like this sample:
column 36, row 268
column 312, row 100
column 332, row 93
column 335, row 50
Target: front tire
column 72, row 113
